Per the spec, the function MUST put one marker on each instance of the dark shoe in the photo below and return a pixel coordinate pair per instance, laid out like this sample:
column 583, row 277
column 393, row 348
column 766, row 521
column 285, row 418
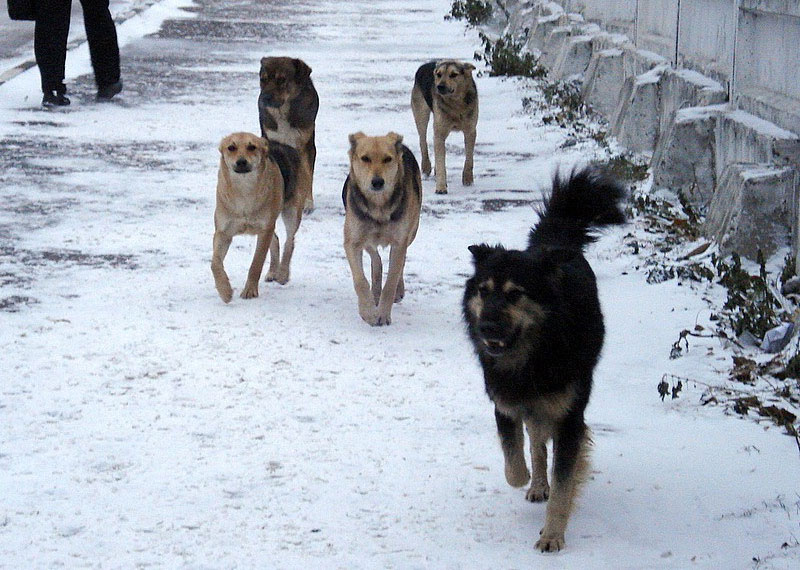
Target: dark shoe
column 106, row 92
column 55, row 99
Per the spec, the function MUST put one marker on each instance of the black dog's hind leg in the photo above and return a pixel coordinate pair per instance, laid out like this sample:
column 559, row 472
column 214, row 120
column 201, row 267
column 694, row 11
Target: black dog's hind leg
column 512, row 439
column 570, row 465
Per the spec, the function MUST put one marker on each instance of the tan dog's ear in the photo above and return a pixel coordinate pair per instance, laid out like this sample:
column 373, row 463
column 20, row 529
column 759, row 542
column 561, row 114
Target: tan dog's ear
column 222, row 144
column 467, row 67
column 301, row 69
column 354, row 138
column 397, row 140
column 265, row 146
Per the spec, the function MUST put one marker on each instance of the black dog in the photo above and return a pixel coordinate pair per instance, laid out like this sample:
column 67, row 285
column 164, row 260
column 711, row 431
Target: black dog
column 535, row 322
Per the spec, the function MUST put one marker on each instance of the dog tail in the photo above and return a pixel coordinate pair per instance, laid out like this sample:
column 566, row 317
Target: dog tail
column 587, row 200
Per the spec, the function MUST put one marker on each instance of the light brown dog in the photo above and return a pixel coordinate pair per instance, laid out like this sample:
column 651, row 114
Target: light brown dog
column 287, row 111
column 382, row 198
column 446, row 89
column 257, row 180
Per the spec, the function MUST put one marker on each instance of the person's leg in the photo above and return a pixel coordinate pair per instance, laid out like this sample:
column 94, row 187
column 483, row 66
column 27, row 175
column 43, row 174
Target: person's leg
column 103, row 47
column 50, row 44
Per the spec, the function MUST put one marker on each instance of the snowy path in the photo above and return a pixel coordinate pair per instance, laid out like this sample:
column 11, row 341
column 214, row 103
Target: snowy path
column 145, row 423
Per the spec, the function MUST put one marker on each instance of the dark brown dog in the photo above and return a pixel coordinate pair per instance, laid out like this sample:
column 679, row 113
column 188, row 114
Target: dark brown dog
column 287, row 109
column 446, row 89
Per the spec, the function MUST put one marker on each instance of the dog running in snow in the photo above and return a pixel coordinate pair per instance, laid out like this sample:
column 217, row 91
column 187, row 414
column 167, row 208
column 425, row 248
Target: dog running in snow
column 382, row 196
column 256, row 181
column 287, row 111
column 534, row 320
column 446, row 89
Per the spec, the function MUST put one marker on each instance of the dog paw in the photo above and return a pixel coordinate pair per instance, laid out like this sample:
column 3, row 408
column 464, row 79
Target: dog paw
column 550, row 543
column 250, row 291
column 369, row 314
column 308, row 207
column 426, row 167
column 383, row 320
column 467, row 179
column 280, row 276
column 538, row 492
column 378, row 318
column 441, row 190
column 517, row 475
column 225, row 292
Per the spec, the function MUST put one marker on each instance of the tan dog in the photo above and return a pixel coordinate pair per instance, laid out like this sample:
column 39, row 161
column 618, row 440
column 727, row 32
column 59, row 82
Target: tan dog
column 446, row 89
column 257, row 180
column 287, row 110
column 382, row 198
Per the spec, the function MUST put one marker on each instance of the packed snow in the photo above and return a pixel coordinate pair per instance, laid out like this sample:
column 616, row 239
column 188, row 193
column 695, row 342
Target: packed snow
column 148, row 424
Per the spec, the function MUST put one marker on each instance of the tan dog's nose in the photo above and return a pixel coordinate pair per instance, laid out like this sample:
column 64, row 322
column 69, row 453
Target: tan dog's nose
column 241, row 166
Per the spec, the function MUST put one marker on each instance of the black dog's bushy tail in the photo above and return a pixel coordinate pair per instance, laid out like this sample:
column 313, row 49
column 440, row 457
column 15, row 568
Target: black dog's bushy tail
column 587, row 199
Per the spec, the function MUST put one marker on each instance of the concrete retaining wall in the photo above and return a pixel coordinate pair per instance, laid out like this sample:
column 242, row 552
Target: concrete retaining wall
column 703, row 85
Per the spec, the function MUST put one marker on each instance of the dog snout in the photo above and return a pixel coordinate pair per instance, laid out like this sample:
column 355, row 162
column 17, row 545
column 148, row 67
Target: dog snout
column 442, row 88
column 377, row 183
column 241, row 165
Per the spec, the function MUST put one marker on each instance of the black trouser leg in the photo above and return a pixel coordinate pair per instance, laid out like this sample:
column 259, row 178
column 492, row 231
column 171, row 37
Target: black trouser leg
column 50, row 42
column 102, row 36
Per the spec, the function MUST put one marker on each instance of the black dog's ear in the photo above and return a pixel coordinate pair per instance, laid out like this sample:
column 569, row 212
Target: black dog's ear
column 480, row 252
column 301, row 69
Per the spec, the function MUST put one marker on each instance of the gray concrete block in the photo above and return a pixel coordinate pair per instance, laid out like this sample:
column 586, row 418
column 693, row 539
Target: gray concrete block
column 751, row 209
column 603, row 81
column 636, row 118
column 541, row 28
column 553, row 45
column 685, row 157
column 742, row 137
column 574, row 58
column 681, row 88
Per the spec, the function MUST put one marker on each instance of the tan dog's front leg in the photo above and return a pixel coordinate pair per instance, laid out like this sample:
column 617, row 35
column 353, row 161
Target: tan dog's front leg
column 376, row 266
column 366, row 305
column 250, row 290
column 220, row 249
column 469, row 149
column 439, row 136
column 397, row 261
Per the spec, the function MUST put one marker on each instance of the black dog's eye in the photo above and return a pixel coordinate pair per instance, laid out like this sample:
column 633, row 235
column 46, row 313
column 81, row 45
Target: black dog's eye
column 387, row 159
column 366, row 159
column 453, row 75
column 251, row 147
column 439, row 74
column 483, row 289
column 232, row 147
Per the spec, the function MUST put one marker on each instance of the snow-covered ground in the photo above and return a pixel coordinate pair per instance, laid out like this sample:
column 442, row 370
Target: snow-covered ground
column 146, row 423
